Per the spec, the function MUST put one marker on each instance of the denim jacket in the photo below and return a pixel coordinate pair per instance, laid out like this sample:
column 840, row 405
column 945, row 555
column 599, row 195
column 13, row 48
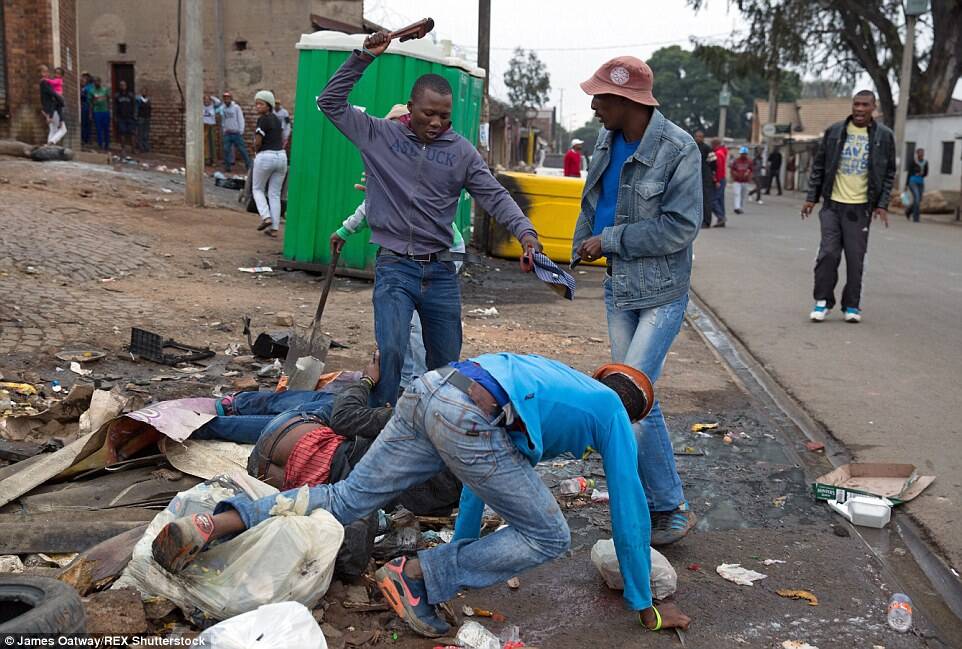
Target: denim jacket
column 658, row 213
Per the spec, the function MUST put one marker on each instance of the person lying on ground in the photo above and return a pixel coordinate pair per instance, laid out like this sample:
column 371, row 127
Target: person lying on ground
column 490, row 420
column 416, row 169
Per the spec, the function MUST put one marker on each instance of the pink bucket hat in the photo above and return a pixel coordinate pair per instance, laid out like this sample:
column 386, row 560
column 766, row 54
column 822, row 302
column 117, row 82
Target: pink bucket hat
column 625, row 76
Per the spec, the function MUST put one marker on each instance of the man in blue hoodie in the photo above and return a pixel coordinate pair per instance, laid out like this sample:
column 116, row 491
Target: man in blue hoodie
column 489, row 420
column 416, row 168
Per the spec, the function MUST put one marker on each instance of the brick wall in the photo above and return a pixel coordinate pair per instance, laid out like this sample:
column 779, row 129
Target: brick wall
column 28, row 40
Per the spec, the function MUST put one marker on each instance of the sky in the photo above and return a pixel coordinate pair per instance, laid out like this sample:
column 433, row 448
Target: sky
column 573, row 38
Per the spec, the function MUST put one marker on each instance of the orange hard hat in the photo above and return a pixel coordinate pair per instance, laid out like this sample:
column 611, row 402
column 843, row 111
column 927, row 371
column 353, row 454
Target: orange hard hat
column 639, row 378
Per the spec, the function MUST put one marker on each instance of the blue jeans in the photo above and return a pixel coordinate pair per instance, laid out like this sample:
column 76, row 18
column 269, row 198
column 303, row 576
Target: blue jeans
column 102, row 125
column 253, row 411
column 232, row 140
column 718, row 201
column 414, row 361
column 641, row 339
column 85, row 123
column 402, row 286
column 425, row 434
column 917, row 190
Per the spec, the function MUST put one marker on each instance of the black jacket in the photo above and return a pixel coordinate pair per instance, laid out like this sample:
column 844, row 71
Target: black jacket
column 881, row 163
column 50, row 101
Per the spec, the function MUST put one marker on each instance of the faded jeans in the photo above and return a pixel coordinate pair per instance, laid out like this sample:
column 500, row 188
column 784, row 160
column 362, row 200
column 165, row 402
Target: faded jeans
column 270, row 167
column 741, row 190
column 253, row 411
column 232, row 141
column 56, row 129
column 425, row 434
column 641, row 338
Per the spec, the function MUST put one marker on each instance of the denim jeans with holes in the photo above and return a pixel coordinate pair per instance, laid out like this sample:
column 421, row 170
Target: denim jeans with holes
column 641, row 338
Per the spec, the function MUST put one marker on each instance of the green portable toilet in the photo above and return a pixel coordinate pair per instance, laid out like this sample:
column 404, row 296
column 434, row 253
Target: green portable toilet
column 325, row 165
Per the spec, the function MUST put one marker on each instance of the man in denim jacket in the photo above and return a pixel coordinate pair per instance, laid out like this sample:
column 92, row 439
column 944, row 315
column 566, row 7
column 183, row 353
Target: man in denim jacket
column 641, row 209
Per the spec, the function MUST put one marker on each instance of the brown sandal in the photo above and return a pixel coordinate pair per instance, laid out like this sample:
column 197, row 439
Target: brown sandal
column 271, row 233
column 265, row 223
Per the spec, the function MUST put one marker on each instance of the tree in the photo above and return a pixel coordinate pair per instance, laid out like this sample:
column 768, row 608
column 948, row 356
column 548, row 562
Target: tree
column 588, row 134
column 853, row 36
column 528, row 82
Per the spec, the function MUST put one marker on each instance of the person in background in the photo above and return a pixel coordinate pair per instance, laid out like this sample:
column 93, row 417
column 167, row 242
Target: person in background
column 285, row 118
column 270, row 163
column 742, row 174
column 758, row 176
column 142, row 115
column 211, row 105
column 641, row 210
column 854, row 170
column 572, row 159
column 86, row 119
column 790, row 168
column 918, row 170
column 51, row 106
column 100, row 108
column 233, row 126
column 124, row 117
column 708, row 161
column 774, row 171
column 721, row 169
column 57, row 82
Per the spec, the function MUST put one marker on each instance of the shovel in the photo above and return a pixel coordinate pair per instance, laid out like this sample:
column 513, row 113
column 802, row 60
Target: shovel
column 305, row 360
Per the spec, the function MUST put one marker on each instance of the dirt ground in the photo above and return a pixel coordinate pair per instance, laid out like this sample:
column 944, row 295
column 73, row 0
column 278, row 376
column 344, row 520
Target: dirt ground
column 91, row 251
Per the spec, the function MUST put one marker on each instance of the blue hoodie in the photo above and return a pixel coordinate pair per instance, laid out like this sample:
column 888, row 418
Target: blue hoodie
column 565, row 410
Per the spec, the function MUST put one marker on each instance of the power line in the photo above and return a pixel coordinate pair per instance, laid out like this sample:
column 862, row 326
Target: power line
column 610, row 47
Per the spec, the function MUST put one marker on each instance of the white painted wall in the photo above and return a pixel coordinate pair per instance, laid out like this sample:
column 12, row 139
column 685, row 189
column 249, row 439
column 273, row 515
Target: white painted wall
column 929, row 132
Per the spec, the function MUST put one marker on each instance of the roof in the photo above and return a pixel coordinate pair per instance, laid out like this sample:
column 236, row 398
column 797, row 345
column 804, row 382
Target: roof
column 807, row 116
column 321, row 22
column 422, row 49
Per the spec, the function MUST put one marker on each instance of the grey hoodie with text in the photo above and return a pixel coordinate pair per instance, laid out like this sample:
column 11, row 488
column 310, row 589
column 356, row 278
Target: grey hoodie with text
column 412, row 187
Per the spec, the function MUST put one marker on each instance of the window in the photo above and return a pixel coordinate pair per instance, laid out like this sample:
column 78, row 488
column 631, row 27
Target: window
column 121, row 48
column 948, row 153
column 240, row 46
column 909, row 154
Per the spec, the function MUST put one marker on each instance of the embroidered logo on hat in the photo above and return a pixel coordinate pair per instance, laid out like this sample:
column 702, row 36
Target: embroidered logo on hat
column 620, row 75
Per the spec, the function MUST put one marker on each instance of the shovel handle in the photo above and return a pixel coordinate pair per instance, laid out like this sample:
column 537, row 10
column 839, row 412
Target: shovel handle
column 420, row 29
column 328, row 281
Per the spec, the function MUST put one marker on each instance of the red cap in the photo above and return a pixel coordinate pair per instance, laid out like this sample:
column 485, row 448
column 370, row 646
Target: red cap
column 625, row 76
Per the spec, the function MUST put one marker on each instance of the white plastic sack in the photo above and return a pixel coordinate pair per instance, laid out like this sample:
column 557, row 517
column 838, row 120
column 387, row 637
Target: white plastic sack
column 664, row 579
column 287, row 624
column 289, row 557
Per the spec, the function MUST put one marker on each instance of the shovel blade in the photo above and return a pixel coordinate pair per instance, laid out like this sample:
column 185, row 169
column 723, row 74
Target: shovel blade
column 300, row 346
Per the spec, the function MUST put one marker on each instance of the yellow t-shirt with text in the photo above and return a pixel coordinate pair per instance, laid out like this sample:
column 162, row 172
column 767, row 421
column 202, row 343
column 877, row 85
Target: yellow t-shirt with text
column 851, row 177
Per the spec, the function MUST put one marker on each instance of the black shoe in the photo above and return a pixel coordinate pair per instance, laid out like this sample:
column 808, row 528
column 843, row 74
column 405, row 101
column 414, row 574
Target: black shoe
column 720, row 225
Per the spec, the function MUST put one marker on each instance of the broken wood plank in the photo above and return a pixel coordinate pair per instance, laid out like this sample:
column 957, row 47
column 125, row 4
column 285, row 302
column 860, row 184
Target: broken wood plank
column 47, row 467
column 18, row 451
column 66, row 531
column 99, row 566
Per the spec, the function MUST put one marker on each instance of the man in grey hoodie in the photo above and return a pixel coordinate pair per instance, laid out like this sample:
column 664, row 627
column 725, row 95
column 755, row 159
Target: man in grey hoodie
column 416, row 168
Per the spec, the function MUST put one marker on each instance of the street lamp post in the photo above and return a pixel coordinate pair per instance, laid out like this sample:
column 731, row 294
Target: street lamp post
column 724, row 99
column 913, row 9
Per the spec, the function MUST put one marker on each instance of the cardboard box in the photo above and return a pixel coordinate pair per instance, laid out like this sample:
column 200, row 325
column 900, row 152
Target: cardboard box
column 897, row 482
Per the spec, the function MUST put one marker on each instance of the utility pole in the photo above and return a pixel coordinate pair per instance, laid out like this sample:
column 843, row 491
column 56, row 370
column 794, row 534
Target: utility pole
column 484, row 40
column 912, row 12
column 724, row 99
column 561, row 113
column 193, row 109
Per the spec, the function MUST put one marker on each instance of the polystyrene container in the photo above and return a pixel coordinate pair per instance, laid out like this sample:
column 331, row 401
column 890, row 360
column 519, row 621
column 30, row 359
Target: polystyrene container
column 868, row 511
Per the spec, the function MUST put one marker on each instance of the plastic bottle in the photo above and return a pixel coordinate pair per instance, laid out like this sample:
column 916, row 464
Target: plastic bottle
column 900, row 612
column 575, row 486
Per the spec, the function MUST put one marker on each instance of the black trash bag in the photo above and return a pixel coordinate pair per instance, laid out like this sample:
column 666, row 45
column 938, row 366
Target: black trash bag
column 357, row 548
column 49, row 152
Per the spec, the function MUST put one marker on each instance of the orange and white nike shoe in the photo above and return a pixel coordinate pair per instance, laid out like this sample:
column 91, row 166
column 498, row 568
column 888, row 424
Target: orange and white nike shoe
column 408, row 597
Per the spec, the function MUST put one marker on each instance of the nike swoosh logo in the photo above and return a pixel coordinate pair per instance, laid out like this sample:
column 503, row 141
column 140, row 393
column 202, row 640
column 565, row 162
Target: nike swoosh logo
column 412, row 600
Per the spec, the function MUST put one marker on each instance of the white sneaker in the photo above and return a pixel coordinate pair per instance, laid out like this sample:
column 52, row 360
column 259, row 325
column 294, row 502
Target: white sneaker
column 853, row 315
column 759, row 201
column 820, row 311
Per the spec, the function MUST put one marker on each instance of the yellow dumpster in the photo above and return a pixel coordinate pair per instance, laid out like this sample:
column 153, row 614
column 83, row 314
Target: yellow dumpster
column 551, row 202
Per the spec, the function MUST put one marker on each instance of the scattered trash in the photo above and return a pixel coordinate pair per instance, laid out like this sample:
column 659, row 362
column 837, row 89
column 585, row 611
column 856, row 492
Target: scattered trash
column 77, row 369
column 80, row 355
column 20, row 388
column 868, row 511
column 514, row 583
column 815, row 447
column 104, row 406
column 727, row 439
column 797, row 644
column 733, row 572
column 698, row 428
column 510, row 637
column 694, row 567
column 798, row 594
column 575, row 486
column 275, row 344
column 190, row 369
column 472, row 635
column 273, row 370
column 166, row 191
column 772, row 562
column 482, row 612
column 664, row 579
column 488, row 312
column 284, row 319
column 779, row 501
column 151, row 346
column 898, row 482
column 599, row 496
column 207, row 248
column 10, row 563
column 689, row 450
column 285, row 624
column 55, row 386
column 900, row 612
column 256, row 269
column 233, row 349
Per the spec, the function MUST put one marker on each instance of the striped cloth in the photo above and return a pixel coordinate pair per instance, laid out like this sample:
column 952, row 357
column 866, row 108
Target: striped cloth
column 310, row 460
column 558, row 280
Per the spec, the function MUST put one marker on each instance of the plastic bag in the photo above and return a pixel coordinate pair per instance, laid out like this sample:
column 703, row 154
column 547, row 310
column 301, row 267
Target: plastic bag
column 907, row 199
column 664, row 579
column 472, row 635
column 289, row 557
column 287, row 624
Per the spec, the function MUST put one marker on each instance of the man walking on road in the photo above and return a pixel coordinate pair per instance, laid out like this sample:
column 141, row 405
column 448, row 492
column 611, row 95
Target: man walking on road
column 572, row 159
column 774, row 171
column 232, row 123
column 721, row 168
column 742, row 176
column 416, row 168
column 854, row 170
column 641, row 208
column 708, row 161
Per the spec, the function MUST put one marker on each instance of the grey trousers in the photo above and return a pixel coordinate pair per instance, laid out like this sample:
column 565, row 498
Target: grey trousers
column 844, row 229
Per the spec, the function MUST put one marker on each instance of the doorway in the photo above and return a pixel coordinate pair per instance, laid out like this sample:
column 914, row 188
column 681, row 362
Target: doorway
column 121, row 72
